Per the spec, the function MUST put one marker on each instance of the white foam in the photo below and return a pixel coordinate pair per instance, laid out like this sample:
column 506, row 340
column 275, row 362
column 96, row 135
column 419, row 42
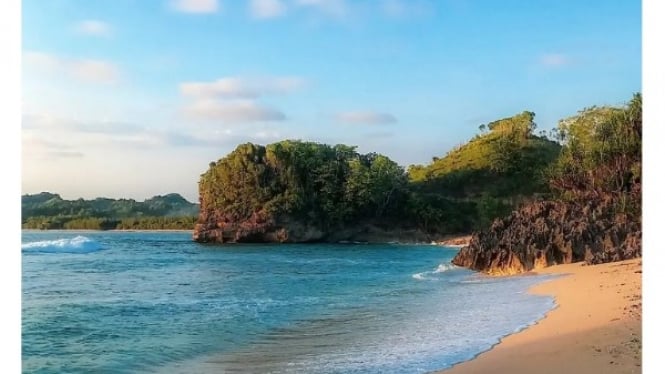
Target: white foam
column 444, row 267
column 419, row 276
column 79, row 244
column 439, row 269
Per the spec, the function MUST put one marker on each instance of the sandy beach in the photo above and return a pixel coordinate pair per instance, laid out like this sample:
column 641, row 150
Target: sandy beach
column 595, row 328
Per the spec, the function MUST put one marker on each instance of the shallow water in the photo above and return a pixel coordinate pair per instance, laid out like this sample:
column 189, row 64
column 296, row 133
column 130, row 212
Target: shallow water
column 127, row 302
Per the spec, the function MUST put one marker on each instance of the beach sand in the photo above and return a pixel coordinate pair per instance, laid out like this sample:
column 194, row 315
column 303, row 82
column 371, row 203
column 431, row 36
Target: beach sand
column 595, row 328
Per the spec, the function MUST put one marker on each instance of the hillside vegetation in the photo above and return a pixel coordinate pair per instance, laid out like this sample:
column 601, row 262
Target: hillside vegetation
column 320, row 187
column 49, row 211
column 595, row 213
column 495, row 172
column 505, row 159
column 305, row 191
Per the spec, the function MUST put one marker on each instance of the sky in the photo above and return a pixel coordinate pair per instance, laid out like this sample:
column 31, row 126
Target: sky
column 131, row 99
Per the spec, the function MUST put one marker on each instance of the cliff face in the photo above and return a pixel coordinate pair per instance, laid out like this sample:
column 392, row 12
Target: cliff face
column 261, row 229
column 547, row 233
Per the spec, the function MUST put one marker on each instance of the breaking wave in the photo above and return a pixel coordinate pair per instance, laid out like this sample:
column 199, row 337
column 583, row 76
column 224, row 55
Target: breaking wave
column 79, row 244
column 439, row 269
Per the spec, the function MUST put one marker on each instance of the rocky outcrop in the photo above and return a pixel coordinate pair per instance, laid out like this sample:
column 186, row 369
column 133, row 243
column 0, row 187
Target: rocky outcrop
column 547, row 233
column 253, row 232
column 260, row 228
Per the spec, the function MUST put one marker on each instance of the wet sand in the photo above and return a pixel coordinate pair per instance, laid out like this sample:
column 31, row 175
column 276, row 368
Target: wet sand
column 595, row 328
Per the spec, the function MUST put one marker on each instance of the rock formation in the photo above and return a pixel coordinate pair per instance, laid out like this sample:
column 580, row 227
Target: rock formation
column 262, row 229
column 546, row 233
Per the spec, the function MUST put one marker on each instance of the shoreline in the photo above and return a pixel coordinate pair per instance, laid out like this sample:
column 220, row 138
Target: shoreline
column 595, row 327
column 455, row 241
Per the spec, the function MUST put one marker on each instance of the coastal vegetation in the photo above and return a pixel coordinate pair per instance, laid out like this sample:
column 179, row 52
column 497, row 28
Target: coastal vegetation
column 301, row 191
column 594, row 213
column 496, row 171
column 49, row 211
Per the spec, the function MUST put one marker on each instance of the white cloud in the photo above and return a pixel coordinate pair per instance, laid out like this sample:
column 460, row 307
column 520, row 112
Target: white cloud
column 365, row 117
column 237, row 87
column 96, row 71
column 41, row 60
column 264, row 9
column 224, row 138
column 234, row 99
column 195, row 6
column 232, row 111
column 92, row 134
column 49, row 135
column 38, row 147
column 93, row 27
column 331, row 7
column 554, row 60
column 66, row 154
column 87, row 70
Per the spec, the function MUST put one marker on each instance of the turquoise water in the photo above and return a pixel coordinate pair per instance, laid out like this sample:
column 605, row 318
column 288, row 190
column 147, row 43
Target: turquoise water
column 137, row 302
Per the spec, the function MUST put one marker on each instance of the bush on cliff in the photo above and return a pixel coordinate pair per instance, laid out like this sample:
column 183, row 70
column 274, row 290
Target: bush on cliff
column 319, row 185
column 596, row 216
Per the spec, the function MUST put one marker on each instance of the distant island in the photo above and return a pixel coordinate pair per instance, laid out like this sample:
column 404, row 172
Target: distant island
column 532, row 200
column 48, row 211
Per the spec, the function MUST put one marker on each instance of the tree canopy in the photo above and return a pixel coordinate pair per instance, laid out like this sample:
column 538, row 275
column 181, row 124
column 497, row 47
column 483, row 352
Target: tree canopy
column 323, row 184
column 602, row 156
column 335, row 186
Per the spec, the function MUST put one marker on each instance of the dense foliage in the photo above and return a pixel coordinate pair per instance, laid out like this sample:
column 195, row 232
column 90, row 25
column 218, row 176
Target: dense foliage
column 485, row 178
column 331, row 187
column 49, row 211
column 322, row 184
column 594, row 213
column 505, row 159
column 602, row 157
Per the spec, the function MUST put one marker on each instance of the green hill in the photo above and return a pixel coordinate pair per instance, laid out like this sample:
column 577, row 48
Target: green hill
column 506, row 159
column 49, row 211
column 485, row 178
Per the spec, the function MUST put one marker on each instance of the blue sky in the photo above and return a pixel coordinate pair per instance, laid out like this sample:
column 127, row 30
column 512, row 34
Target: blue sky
column 134, row 98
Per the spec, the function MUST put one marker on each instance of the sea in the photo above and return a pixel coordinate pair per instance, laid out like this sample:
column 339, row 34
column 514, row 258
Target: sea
column 157, row 302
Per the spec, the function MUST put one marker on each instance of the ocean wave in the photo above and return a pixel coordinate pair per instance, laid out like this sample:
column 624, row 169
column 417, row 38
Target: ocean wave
column 444, row 267
column 419, row 276
column 439, row 269
column 79, row 244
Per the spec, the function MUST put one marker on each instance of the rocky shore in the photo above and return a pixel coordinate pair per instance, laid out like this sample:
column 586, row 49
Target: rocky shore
column 546, row 233
column 261, row 229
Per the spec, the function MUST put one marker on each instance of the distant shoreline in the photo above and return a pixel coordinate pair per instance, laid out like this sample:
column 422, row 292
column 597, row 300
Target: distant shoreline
column 454, row 241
